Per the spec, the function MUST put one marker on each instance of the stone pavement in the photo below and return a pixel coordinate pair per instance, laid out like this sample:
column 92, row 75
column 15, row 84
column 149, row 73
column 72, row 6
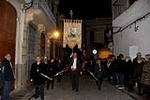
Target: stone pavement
column 22, row 94
column 88, row 91
column 135, row 94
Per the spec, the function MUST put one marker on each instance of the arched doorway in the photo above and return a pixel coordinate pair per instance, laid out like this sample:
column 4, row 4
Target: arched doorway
column 7, row 31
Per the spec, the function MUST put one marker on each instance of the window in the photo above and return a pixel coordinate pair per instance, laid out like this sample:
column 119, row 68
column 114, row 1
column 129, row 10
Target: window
column 31, row 44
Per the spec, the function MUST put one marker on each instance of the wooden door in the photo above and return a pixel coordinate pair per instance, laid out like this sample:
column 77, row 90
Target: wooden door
column 8, row 18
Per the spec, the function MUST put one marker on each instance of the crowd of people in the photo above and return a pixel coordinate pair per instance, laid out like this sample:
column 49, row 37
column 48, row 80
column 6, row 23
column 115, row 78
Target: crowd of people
column 121, row 71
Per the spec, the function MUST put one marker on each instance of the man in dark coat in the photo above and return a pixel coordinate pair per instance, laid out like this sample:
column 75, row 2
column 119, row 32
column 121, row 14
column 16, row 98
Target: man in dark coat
column 38, row 68
column 120, row 70
column 99, row 73
column 51, row 73
column 75, row 70
column 8, row 76
column 59, row 68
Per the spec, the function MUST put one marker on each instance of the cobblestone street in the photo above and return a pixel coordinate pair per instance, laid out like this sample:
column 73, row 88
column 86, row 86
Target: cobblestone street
column 88, row 91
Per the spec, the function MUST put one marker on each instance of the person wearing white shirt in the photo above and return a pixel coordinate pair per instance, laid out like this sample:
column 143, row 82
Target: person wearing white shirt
column 75, row 70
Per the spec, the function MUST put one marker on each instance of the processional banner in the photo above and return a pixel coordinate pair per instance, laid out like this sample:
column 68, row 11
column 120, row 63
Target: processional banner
column 72, row 33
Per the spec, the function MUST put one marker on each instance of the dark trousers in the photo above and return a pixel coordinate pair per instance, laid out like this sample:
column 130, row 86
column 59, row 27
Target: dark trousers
column 50, row 82
column 139, row 86
column 39, row 91
column 59, row 77
column 99, row 83
column 75, row 80
column 115, row 80
column 121, row 79
column 6, row 90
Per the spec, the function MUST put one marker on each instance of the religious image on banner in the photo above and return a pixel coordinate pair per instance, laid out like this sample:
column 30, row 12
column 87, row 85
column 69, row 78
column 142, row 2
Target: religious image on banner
column 72, row 33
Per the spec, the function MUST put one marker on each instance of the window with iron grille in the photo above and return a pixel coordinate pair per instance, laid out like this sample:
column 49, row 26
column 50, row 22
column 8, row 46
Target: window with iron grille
column 32, row 38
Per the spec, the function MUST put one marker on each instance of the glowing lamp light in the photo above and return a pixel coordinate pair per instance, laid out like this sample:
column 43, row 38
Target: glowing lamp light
column 56, row 34
column 105, row 53
column 94, row 51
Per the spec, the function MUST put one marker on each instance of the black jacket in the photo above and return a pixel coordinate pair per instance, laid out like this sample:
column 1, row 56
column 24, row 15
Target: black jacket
column 8, row 72
column 51, row 69
column 99, row 72
column 36, row 71
column 78, row 64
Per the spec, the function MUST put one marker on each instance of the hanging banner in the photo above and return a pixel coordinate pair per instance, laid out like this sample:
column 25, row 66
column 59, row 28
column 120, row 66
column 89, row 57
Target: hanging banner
column 72, row 33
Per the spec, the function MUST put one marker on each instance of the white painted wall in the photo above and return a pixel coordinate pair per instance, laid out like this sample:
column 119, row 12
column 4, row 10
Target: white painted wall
column 128, row 37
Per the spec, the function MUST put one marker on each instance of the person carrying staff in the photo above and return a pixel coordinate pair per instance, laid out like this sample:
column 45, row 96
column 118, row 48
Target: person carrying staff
column 99, row 73
column 75, row 69
column 38, row 68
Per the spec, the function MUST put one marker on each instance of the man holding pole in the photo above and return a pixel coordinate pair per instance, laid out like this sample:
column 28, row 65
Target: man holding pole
column 38, row 69
column 75, row 69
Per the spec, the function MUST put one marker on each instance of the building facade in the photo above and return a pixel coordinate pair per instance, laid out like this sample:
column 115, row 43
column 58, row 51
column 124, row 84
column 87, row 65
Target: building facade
column 94, row 32
column 131, row 22
column 26, row 31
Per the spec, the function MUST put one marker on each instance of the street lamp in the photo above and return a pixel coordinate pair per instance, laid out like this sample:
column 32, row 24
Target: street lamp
column 56, row 34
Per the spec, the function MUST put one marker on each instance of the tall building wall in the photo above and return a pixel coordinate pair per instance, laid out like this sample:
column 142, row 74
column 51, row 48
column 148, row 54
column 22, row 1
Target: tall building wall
column 131, row 29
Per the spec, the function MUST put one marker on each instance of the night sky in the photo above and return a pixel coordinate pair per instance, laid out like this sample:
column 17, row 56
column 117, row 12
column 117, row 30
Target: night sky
column 89, row 9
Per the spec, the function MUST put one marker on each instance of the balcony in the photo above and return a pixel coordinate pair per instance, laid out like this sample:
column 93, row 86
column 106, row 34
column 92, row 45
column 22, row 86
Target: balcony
column 42, row 14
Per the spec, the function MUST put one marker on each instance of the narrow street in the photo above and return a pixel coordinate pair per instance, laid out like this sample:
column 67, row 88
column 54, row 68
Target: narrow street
column 87, row 91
